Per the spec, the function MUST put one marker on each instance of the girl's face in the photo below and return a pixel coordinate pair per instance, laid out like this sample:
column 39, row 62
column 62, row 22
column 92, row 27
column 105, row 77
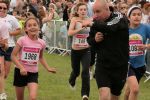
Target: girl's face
column 3, row 9
column 82, row 11
column 32, row 27
column 135, row 17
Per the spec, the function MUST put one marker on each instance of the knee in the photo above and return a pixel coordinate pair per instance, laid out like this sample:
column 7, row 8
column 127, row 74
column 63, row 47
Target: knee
column 127, row 92
column 134, row 90
column 104, row 95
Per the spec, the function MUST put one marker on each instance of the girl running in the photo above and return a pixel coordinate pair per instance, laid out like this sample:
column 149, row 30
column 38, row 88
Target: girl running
column 80, row 50
column 138, row 34
column 30, row 49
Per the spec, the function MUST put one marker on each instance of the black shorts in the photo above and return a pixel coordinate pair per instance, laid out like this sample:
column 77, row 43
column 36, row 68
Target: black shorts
column 113, row 78
column 21, row 81
column 7, row 53
column 138, row 72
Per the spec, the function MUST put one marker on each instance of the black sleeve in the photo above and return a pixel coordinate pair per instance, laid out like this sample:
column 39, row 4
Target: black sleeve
column 110, row 27
column 91, row 37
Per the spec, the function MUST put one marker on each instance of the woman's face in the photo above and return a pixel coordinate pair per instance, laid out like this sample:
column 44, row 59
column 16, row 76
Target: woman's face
column 51, row 9
column 3, row 9
column 82, row 11
column 135, row 17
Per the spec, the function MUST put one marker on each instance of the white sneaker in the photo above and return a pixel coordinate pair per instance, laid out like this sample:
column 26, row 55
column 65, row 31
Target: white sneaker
column 91, row 75
column 3, row 96
column 85, row 97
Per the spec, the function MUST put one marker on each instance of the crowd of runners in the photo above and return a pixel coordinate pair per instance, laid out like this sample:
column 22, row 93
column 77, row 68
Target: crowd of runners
column 109, row 35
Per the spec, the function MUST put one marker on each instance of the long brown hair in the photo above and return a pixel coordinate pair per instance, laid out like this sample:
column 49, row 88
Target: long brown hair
column 77, row 8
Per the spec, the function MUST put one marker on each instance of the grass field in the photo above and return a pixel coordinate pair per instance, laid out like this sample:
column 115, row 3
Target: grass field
column 55, row 86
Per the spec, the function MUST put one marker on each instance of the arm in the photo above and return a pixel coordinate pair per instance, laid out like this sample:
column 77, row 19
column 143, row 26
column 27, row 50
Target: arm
column 72, row 31
column 44, row 63
column 47, row 18
column 16, row 61
column 91, row 37
column 117, row 23
column 4, row 44
column 16, row 32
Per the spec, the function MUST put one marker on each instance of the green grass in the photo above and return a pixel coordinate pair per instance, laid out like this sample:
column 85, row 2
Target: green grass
column 55, row 86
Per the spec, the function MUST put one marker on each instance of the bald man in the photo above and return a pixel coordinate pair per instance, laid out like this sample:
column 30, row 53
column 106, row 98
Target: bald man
column 109, row 36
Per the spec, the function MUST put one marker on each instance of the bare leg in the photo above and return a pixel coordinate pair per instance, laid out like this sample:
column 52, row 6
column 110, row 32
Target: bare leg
column 32, row 91
column 113, row 97
column 127, row 91
column 104, row 93
column 7, row 68
column 134, row 88
column 2, row 73
column 20, row 93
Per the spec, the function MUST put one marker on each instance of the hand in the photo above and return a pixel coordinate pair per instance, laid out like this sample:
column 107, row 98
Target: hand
column 52, row 70
column 99, row 37
column 3, row 44
column 23, row 71
column 142, row 47
column 87, row 23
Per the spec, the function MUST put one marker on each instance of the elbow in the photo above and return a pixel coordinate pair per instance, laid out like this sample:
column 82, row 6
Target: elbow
column 69, row 33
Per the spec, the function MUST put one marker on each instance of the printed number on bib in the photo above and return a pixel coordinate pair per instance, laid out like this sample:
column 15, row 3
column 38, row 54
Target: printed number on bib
column 30, row 56
column 81, row 40
column 134, row 51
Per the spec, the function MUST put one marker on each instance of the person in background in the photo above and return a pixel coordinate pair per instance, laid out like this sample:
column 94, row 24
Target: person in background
column 132, row 2
column 122, row 7
column 52, row 14
column 146, row 13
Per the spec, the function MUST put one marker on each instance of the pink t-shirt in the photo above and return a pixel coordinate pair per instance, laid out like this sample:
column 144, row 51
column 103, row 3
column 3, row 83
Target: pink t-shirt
column 30, row 52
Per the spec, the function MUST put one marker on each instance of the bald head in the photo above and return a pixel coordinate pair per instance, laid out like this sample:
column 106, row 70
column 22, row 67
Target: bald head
column 101, row 3
column 101, row 9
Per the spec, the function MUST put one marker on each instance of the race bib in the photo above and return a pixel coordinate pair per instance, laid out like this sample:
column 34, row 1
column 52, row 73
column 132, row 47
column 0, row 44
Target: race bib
column 30, row 55
column 81, row 40
column 134, row 42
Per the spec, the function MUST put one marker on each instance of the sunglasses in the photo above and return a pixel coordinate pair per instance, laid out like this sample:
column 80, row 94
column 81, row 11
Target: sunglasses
column 4, row 8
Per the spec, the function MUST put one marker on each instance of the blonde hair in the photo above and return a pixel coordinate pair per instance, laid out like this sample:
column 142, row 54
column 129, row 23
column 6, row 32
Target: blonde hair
column 52, row 5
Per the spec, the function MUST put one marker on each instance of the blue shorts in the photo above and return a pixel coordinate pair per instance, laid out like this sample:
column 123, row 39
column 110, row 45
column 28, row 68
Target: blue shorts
column 21, row 81
column 7, row 53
